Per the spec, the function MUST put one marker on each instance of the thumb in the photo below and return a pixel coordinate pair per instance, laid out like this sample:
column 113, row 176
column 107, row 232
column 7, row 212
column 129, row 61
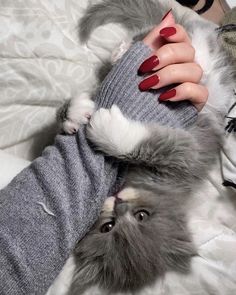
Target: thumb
column 153, row 39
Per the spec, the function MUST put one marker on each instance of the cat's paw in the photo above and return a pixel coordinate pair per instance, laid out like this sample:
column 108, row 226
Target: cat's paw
column 78, row 112
column 113, row 133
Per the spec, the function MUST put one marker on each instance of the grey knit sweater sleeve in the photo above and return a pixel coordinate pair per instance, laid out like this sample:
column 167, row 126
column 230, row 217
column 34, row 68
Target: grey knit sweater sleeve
column 52, row 203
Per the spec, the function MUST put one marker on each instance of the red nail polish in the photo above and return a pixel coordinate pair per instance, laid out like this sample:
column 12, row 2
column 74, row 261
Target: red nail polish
column 148, row 65
column 166, row 14
column 148, row 83
column 167, row 95
column 167, row 32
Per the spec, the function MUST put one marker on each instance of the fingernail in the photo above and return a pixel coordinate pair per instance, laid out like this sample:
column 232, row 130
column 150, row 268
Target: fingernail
column 168, row 31
column 166, row 14
column 148, row 64
column 168, row 94
column 148, row 83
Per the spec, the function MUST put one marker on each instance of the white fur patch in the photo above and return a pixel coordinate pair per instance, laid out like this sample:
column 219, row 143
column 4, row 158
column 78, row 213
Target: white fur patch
column 220, row 95
column 63, row 281
column 109, row 204
column 79, row 112
column 110, row 130
column 128, row 193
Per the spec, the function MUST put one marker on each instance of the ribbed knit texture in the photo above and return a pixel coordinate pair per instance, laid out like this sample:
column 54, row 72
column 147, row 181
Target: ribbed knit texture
column 53, row 203
column 142, row 106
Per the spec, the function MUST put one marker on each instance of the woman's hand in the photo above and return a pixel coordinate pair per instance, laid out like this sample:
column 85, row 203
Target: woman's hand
column 172, row 62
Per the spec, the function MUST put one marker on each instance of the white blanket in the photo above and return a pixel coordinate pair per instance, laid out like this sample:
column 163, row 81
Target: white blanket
column 42, row 63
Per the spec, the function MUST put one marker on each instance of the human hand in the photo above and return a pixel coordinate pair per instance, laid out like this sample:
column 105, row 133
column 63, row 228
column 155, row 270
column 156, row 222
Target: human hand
column 173, row 62
column 120, row 87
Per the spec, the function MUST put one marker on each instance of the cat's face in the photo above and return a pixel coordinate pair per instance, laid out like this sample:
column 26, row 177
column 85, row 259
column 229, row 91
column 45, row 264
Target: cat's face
column 139, row 236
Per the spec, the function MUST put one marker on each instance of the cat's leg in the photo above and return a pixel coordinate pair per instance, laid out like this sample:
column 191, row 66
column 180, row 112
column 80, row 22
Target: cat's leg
column 114, row 134
column 164, row 148
column 75, row 112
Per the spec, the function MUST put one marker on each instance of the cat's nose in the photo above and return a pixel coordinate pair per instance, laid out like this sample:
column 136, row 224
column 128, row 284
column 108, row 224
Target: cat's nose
column 121, row 207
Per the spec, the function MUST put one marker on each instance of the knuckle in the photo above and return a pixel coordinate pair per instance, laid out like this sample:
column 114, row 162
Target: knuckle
column 191, row 50
column 205, row 94
column 196, row 93
column 188, row 89
column 181, row 31
column 198, row 70
column 186, row 47
column 170, row 51
column 172, row 72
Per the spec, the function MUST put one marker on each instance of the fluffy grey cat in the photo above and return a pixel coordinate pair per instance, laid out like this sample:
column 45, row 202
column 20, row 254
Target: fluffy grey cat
column 142, row 232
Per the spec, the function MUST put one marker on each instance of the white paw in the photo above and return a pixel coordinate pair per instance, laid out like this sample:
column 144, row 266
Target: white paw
column 70, row 127
column 113, row 133
column 79, row 112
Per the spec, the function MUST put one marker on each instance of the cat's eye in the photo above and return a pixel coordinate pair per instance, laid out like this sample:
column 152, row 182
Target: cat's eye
column 107, row 227
column 141, row 215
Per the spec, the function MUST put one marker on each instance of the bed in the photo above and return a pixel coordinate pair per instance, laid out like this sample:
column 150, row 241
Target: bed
column 42, row 64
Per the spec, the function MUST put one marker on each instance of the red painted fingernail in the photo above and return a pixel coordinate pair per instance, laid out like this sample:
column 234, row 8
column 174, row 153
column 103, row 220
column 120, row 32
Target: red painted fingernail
column 148, row 65
column 167, row 32
column 148, row 83
column 166, row 14
column 168, row 94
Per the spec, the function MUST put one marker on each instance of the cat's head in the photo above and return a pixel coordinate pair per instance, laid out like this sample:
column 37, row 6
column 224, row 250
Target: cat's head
column 139, row 236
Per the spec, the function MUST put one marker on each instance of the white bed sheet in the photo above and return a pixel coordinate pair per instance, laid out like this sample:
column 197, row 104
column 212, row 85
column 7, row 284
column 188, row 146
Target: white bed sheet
column 9, row 167
column 42, row 63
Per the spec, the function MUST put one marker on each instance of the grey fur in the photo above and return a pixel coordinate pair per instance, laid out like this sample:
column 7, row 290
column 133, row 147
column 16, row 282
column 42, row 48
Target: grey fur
column 178, row 159
column 137, row 16
column 134, row 254
column 62, row 114
column 129, row 13
column 164, row 169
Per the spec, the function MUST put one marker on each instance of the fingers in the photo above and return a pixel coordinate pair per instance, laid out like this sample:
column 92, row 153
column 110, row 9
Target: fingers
column 175, row 34
column 197, row 94
column 168, row 54
column 172, row 74
column 166, row 32
column 170, row 44
column 153, row 39
column 172, row 62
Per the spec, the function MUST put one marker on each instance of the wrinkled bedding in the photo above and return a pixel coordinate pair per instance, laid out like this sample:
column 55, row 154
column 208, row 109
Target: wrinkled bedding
column 42, row 64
